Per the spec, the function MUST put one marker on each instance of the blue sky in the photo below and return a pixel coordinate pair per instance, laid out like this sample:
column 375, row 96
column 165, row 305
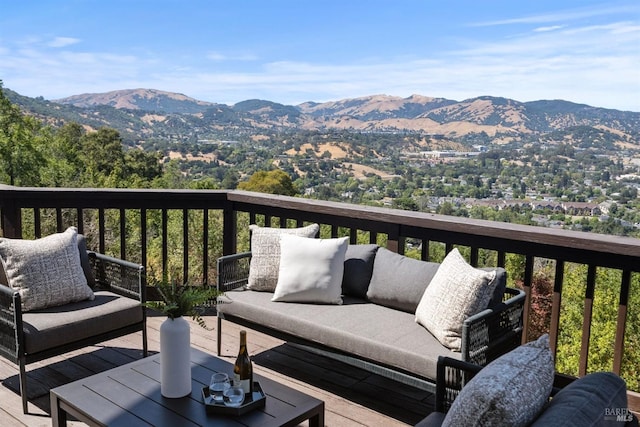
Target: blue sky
column 291, row 51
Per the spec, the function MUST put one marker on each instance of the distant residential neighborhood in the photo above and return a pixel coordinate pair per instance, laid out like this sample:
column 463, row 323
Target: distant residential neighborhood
column 547, row 163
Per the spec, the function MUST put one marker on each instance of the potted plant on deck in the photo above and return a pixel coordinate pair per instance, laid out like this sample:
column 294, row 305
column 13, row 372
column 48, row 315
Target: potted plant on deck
column 176, row 302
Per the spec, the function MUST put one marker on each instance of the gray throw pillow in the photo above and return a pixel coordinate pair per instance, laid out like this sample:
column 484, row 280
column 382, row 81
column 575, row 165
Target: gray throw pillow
column 456, row 292
column 46, row 272
column 358, row 268
column 265, row 254
column 510, row 391
column 399, row 281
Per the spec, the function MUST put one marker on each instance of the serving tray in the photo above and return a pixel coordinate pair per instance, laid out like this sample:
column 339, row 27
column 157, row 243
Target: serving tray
column 253, row 401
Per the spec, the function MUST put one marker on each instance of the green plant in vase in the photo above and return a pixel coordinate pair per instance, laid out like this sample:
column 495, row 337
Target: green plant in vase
column 183, row 300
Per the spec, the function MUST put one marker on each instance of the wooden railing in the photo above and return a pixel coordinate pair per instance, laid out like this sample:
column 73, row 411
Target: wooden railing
column 212, row 223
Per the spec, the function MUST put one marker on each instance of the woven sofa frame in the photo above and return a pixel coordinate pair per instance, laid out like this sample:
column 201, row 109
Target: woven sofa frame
column 485, row 336
column 111, row 274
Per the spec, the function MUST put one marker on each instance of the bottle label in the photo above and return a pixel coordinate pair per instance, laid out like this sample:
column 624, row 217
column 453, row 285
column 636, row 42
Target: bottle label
column 245, row 384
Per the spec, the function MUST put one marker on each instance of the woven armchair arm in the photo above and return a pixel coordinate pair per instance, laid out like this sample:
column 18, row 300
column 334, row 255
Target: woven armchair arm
column 119, row 276
column 452, row 375
column 233, row 271
column 10, row 316
column 495, row 331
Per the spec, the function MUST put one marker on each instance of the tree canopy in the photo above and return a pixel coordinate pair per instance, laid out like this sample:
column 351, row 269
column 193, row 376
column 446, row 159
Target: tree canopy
column 272, row 182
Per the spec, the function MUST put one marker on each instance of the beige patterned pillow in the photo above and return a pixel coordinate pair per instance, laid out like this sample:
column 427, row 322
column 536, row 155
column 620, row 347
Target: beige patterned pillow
column 47, row 272
column 456, row 292
column 510, row 391
column 265, row 254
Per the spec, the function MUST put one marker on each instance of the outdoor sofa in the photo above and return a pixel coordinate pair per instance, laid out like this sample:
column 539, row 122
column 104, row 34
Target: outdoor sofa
column 360, row 303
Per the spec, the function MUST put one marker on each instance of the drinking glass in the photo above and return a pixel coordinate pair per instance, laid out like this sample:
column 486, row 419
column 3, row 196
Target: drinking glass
column 219, row 383
column 234, row 396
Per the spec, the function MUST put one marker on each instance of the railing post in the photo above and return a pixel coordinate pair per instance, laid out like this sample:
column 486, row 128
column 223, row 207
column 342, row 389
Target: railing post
column 229, row 229
column 618, row 349
column 554, row 331
column 528, row 280
column 11, row 219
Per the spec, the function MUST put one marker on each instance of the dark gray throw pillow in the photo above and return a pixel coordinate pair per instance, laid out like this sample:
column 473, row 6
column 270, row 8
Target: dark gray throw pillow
column 358, row 268
column 84, row 261
column 501, row 284
column 399, row 281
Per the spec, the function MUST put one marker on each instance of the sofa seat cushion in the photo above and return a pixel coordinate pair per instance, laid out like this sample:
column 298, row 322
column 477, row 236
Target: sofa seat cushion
column 76, row 321
column 370, row 331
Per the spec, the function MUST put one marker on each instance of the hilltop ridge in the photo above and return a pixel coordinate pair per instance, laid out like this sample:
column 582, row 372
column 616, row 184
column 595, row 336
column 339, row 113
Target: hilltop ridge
column 147, row 113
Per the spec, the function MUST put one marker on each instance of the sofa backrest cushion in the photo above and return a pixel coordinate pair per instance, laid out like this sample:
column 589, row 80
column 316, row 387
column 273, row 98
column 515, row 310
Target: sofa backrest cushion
column 399, row 281
column 358, row 268
column 593, row 400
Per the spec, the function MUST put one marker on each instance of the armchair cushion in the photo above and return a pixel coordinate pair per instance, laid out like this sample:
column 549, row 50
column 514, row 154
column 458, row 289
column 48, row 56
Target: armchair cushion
column 76, row 321
column 265, row 254
column 47, row 272
column 456, row 292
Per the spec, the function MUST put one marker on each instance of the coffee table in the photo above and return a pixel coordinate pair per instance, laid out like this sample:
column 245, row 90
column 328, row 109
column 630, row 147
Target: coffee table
column 129, row 395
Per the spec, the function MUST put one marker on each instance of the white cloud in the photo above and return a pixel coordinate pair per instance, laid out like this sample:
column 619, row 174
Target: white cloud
column 220, row 57
column 63, row 42
column 563, row 16
column 551, row 28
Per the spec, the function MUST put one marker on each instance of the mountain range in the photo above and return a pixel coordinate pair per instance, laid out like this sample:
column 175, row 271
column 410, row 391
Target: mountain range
column 147, row 113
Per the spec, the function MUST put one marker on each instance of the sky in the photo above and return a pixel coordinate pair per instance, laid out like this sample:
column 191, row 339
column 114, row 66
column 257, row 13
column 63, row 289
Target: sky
column 293, row 51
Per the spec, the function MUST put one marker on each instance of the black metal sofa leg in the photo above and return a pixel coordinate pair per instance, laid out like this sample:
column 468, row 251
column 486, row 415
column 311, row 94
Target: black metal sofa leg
column 219, row 342
column 23, row 385
column 145, row 346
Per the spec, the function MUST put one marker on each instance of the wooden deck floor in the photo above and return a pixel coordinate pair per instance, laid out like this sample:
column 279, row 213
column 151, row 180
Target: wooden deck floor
column 352, row 397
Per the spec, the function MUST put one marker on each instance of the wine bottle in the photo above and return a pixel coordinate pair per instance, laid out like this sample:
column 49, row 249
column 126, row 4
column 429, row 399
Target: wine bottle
column 243, row 370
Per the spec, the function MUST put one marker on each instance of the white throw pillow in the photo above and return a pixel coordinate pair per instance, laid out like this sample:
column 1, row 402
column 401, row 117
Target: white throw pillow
column 311, row 270
column 265, row 254
column 510, row 391
column 456, row 292
column 46, row 272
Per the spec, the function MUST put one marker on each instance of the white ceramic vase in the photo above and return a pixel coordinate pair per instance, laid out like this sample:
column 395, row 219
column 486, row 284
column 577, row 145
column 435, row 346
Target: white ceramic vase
column 175, row 358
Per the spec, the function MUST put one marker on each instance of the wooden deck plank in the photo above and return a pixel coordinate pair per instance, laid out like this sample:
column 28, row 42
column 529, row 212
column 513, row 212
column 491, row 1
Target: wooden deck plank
column 352, row 396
